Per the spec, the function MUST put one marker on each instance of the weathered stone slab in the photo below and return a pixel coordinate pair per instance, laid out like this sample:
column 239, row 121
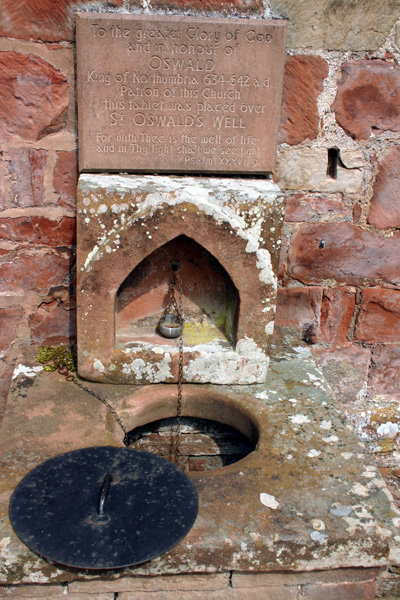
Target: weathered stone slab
column 252, row 517
column 178, row 94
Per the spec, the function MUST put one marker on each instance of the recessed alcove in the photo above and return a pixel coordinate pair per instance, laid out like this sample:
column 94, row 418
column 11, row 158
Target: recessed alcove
column 210, row 301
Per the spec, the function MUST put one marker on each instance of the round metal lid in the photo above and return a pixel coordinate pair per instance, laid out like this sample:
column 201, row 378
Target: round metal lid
column 103, row 507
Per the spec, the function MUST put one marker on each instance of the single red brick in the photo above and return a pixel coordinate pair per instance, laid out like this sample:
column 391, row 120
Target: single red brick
column 385, row 203
column 9, row 321
column 299, row 308
column 34, row 271
column 337, row 311
column 53, row 325
column 368, row 98
column 345, row 253
column 302, row 83
column 44, row 20
column 379, row 317
column 26, row 175
column 65, row 178
column 306, row 208
column 33, row 97
column 38, row 230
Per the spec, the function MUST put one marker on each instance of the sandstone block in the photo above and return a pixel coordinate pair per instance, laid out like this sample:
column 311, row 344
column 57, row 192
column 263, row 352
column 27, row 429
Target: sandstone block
column 6, row 372
column 44, row 20
column 379, row 318
column 34, row 271
column 385, row 203
column 33, row 592
column 38, row 230
column 346, row 370
column 302, row 83
column 9, row 321
column 271, row 593
column 26, row 176
column 314, row 209
column 240, row 579
column 344, row 591
column 343, row 253
column 337, row 311
column 299, row 309
column 33, row 97
column 368, row 98
column 172, row 583
column 336, row 25
column 65, row 179
column 385, row 369
column 53, row 325
column 306, row 169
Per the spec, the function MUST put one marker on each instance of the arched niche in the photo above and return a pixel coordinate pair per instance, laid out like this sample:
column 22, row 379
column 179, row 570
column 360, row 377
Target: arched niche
column 210, row 300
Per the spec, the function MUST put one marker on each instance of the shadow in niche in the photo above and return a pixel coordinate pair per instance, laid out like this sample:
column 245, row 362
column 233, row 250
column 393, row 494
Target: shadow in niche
column 210, row 299
column 204, row 444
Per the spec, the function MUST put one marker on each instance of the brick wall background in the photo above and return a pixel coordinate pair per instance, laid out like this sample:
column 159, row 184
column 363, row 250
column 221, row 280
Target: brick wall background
column 338, row 162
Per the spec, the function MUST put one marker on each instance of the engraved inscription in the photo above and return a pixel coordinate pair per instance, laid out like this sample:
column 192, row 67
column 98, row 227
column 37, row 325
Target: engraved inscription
column 178, row 94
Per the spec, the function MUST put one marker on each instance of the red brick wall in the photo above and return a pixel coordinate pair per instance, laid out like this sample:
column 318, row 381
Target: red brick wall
column 340, row 115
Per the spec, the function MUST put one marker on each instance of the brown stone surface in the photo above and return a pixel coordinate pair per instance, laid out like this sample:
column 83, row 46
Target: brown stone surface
column 337, row 310
column 303, row 169
column 207, row 101
column 65, row 178
column 26, row 168
column 346, row 369
column 53, row 324
column 33, row 97
column 222, row 7
column 44, row 19
column 302, row 83
column 337, row 25
column 336, row 576
column 273, row 593
column 34, row 271
column 344, row 253
column 385, row 203
column 6, row 372
column 299, row 309
column 368, row 98
column 315, row 209
column 9, row 321
column 379, row 317
column 344, row 591
column 385, row 369
column 174, row 583
column 38, row 230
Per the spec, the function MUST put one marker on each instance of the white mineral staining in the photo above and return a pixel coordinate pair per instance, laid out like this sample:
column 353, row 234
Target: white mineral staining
column 98, row 365
column 318, row 525
column 319, row 537
column 91, row 256
column 102, row 209
column 360, row 490
column 346, row 455
column 299, row 419
column 26, row 371
column 269, row 328
column 388, row 430
column 313, row 453
column 326, row 425
column 152, row 372
column 269, row 501
column 330, row 439
column 262, row 395
column 341, row 511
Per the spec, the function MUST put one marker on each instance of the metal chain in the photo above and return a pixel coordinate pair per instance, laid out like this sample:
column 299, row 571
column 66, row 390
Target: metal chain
column 69, row 377
column 176, row 433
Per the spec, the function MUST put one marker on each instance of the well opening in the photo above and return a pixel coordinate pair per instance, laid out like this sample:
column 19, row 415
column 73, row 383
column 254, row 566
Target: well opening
column 204, row 444
column 210, row 300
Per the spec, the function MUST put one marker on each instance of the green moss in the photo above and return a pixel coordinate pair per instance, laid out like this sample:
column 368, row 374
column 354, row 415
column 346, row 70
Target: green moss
column 52, row 357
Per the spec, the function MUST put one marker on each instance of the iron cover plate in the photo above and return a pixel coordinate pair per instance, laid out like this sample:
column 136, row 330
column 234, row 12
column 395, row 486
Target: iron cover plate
column 149, row 506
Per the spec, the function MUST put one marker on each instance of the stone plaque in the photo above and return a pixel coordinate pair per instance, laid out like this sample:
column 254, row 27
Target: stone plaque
column 178, row 94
